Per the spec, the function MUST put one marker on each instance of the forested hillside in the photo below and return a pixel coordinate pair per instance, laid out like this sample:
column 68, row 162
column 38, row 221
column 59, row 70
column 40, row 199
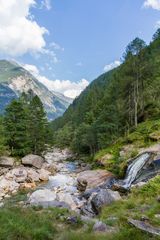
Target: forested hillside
column 24, row 127
column 116, row 102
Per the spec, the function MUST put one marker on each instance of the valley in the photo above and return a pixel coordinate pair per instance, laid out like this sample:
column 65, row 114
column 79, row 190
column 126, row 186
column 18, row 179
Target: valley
column 87, row 168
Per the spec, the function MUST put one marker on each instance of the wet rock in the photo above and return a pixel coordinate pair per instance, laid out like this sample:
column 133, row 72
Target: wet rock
column 40, row 197
column 144, row 226
column 6, row 161
column 33, row 160
column 138, row 185
column 60, row 181
column 93, row 178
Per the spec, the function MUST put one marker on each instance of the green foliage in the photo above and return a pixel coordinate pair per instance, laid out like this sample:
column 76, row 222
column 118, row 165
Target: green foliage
column 16, row 128
column 140, row 202
column 37, row 125
column 116, row 102
column 138, row 138
column 26, row 224
column 37, row 223
column 64, row 136
column 2, row 137
column 25, row 126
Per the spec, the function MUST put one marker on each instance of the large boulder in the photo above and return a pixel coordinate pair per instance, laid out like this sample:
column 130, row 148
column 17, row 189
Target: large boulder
column 33, row 160
column 104, row 197
column 93, row 178
column 99, row 198
column 6, row 161
column 42, row 197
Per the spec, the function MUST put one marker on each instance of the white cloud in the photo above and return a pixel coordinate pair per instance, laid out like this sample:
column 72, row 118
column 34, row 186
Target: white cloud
column 157, row 25
column 110, row 66
column 66, row 87
column 19, row 32
column 155, row 4
column 56, row 46
column 46, row 4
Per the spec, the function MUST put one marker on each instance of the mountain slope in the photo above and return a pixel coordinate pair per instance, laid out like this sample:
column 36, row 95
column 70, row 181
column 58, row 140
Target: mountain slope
column 115, row 102
column 14, row 80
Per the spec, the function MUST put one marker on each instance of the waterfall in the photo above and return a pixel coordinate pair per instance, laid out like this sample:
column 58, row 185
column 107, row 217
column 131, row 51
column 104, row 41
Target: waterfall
column 134, row 169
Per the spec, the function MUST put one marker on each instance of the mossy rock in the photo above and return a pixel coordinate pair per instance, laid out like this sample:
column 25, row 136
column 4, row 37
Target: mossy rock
column 155, row 136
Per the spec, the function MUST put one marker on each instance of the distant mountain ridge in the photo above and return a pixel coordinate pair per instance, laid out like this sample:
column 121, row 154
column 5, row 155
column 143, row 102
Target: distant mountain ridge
column 14, row 80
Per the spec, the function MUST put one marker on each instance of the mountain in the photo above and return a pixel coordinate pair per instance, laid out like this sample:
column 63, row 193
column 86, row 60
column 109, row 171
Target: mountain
column 116, row 102
column 14, row 80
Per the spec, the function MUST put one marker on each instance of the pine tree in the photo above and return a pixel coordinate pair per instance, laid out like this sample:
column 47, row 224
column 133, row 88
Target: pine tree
column 2, row 137
column 16, row 128
column 37, row 125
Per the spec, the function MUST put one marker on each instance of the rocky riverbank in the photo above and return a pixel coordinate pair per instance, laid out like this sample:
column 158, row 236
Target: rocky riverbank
column 57, row 181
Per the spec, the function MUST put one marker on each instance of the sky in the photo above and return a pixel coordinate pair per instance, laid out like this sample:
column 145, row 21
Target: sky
column 68, row 43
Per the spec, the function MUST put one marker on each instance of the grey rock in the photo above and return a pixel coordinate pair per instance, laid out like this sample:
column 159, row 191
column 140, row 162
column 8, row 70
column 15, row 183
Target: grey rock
column 146, row 227
column 20, row 175
column 42, row 196
column 33, row 160
column 32, row 175
column 73, row 219
column 1, row 204
column 102, row 227
column 6, row 161
column 68, row 199
column 104, row 197
column 44, row 174
column 94, row 178
column 99, row 227
column 55, row 203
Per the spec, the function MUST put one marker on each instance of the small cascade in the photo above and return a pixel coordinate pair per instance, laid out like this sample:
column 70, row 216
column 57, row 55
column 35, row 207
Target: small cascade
column 134, row 168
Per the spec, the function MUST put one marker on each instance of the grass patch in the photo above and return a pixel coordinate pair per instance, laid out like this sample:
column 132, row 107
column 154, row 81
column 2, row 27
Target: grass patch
column 138, row 138
column 140, row 202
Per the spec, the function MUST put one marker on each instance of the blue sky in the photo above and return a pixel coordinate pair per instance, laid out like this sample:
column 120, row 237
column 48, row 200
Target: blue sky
column 73, row 41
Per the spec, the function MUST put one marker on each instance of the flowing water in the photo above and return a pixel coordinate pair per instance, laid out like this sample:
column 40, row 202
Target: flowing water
column 64, row 182
column 134, row 169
